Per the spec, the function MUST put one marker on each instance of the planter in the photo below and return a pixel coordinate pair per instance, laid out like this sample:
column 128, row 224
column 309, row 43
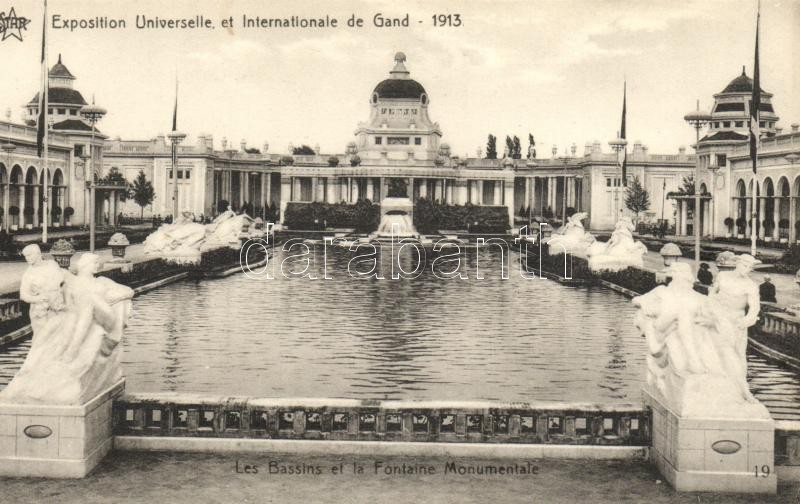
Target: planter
column 784, row 240
column 69, row 223
column 767, row 239
column 118, row 243
column 14, row 227
column 56, row 225
column 62, row 252
column 727, row 235
column 28, row 226
column 740, row 236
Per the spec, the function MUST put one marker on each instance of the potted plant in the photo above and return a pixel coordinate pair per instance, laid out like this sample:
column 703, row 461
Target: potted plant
column 68, row 213
column 13, row 213
column 28, row 212
column 769, row 226
column 728, row 226
column 333, row 161
column 287, row 160
column 783, row 226
column 355, row 160
column 56, row 213
column 62, row 251
column 741, row 223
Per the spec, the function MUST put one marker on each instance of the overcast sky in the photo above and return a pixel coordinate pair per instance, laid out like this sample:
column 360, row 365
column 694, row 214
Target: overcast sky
column 552, row 68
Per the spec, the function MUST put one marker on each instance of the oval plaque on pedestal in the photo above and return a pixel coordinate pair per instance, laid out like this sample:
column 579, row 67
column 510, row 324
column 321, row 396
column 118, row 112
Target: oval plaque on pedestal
column 726, row 447
column 37, row 431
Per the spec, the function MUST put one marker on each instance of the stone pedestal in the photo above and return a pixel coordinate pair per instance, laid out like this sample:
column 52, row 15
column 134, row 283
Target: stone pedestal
column 712, row 454
column 56, row 441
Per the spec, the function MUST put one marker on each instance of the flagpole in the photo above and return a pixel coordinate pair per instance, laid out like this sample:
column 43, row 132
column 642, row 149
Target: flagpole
column 45, row 89
column 755, row 135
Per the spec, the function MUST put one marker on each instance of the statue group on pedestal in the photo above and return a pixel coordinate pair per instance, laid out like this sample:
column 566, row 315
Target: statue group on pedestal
column 697, row 344
column 183, row 241
column 77, row 322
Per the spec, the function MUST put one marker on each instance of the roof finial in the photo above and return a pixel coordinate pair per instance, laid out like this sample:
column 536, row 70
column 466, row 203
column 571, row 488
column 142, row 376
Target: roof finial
column 59, row 58
column 743, row 72
column 399, row 71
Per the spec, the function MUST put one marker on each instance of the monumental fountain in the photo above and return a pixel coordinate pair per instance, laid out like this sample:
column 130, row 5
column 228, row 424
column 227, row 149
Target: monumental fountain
column 572, row 238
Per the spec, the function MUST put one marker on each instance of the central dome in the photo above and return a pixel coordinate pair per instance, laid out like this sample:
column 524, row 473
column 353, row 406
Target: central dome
column 399, row 85
column 400, row 88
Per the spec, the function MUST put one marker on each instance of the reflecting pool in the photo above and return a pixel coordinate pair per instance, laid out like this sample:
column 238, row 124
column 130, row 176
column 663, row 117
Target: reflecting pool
column 519, row 339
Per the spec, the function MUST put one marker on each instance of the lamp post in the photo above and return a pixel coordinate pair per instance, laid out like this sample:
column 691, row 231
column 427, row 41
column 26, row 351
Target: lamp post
column 92, row 114
column 618, row 145
column 175, row 137
column 698, row 119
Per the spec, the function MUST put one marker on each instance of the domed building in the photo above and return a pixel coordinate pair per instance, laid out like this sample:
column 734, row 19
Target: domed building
column 726, row 171
column 398, row 127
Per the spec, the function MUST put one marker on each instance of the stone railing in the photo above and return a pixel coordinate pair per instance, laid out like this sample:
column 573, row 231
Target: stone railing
column 10, row 309
column 176, row 415
column 780, row 324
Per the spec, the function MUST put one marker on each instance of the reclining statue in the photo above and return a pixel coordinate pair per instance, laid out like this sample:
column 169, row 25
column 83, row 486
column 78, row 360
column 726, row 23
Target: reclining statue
column 226, row 230
column 696, row 362
column 572, row 238
column 178, row 242
column 620, row 252
column 77, row 323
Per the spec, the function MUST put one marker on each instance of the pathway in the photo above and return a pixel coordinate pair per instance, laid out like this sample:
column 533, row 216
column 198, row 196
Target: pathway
column 11, row 271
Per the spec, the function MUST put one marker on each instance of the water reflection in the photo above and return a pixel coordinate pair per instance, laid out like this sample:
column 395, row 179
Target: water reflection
column 519, row 339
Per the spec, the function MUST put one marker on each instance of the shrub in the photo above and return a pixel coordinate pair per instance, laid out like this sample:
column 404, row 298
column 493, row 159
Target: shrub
column 355, row 160
column 287, row 160
column 14, row 211
column 333, row 161
column 55, row 211
column 69, row 212
column 741, row 223
column 28, row 211
column 222, row 205
column 728, row 223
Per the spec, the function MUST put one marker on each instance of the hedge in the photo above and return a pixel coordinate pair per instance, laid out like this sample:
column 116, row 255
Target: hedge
column 364, row 216
column 431, row 216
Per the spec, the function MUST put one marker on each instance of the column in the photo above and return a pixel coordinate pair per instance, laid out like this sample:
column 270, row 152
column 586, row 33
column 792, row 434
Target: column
column 7, row 204
column 410, row 190
column 792, row 210
column 463, row 191
column 35, row 204
column 684, row 210
column 438, row 190
column 370, row 189
column 762, row 212
column 748, row 215
column 262, row 190
column 532, row 200
column 244, row 184
column 332, row 184
column 113, row 212
column 449, row 192
column 508, row 199
column 423, row 188
column 776, row 218
column 355, row 196
column 527, row 201
column 286, row 194
column 384, row 188
column 479, row 193
column 314, row 189
column 498, row 192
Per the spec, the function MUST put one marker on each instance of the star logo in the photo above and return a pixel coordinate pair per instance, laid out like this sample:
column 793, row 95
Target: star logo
column 12, row 25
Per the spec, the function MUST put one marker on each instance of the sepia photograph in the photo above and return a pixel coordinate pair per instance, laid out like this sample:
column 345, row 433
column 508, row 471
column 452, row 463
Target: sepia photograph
column 365, row 251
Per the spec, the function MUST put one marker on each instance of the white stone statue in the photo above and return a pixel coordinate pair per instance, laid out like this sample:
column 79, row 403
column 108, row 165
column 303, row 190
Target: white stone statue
column 620, row 252
column 571, row 238
column 696, row 362
column 178, row 242
column 77, row 322
column 226, row 230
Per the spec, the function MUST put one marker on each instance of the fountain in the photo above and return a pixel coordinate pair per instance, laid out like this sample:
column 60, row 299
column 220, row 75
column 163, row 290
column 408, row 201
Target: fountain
column 396, row 219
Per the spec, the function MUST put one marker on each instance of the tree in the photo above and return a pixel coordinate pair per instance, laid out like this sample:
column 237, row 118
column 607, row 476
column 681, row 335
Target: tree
column 143, row 191
column 517, row 152
column 303, row 150
column 636, row 198
column 509, row 147
column 531, row 147
column 491, row 147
